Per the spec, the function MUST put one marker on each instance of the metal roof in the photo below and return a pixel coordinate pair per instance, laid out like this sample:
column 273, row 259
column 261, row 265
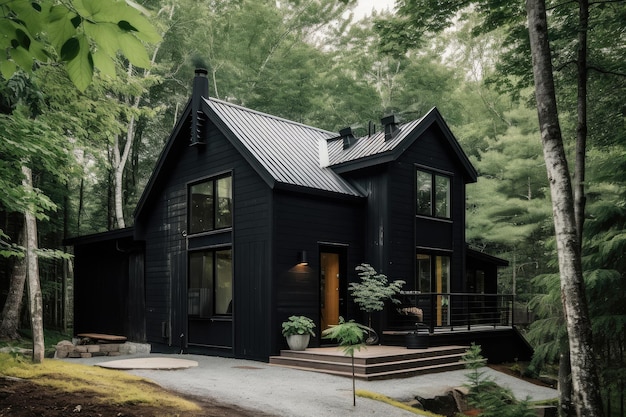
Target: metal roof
column 368, row 146
column 287, row 150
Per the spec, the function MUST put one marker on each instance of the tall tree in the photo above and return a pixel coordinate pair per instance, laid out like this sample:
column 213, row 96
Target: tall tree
column 584, row 377
column 32, row 272
column 72, row 30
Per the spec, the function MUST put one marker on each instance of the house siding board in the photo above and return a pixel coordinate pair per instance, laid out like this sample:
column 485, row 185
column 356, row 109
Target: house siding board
column 429, row 151
column 166, row 262
column 304, row 223
column 104, row 271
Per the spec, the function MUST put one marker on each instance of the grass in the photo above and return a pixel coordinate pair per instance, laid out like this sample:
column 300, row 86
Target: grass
column 397, row 404
column 51, row 338
column 109, row 386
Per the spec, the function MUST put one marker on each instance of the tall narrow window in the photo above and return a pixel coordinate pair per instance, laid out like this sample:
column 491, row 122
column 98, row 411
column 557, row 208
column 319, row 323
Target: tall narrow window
column 424, row 185
column 210, row 287
column 433, row 194
column 210, row 205
column 423, row 273
column 442, row 196
column 433, row 276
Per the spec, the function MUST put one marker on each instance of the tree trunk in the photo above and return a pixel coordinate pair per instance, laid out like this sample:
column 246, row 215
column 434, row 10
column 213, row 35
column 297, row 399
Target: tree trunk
column 584, row 378
column 13, row 303
column 566, row 408
column 34, row 289
column 119, row 162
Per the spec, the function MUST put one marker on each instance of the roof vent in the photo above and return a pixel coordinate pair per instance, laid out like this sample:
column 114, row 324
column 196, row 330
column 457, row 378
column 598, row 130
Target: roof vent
column 198, row 119
column 348, row 137
column 390, row 125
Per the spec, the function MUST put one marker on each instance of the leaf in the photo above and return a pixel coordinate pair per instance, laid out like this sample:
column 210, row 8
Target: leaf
column 22, row 58
column 104, row 63
column 120, row 12
column 134, row 50
column 7, row 68
column 126, row 26
column 22, row 38
column 30, row 13
column 70, row 49
column 60, row 27
column 80, row 68
column 105, row 35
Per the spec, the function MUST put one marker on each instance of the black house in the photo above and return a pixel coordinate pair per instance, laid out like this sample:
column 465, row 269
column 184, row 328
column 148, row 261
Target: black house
column 249, row 218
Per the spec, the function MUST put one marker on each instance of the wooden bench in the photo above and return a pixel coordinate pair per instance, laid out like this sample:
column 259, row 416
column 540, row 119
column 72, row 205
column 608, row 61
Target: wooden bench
column 104, row 338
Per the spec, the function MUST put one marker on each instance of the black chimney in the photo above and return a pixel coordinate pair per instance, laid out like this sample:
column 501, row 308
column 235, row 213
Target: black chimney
column 348, row 137
column 390, row 125
column 198, row 118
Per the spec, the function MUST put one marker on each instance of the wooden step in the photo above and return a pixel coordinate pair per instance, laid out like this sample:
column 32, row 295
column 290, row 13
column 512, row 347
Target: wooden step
column 379, row 363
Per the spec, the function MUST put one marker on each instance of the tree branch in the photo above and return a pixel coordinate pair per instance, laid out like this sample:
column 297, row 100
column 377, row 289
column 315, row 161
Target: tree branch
column 603, row 71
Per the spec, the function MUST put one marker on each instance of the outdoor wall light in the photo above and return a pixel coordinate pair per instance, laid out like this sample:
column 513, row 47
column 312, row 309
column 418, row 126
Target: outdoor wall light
column 302, row 258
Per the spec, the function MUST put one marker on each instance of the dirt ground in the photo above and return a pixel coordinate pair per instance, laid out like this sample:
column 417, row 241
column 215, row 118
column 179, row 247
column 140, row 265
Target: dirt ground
column 21, row 398
column 506, row 368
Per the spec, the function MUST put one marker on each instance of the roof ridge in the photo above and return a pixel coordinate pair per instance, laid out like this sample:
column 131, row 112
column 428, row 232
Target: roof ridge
column 270, row 116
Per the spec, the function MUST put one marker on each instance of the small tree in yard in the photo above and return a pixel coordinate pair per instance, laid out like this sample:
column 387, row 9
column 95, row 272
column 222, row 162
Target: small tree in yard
column 350, row 336
column 491, row 399
column 373, row 290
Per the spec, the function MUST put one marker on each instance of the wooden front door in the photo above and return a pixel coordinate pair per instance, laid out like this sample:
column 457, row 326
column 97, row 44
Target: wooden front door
column 330, row 294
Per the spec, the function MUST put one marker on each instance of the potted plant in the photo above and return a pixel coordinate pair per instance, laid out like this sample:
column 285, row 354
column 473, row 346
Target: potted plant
column 298, row 331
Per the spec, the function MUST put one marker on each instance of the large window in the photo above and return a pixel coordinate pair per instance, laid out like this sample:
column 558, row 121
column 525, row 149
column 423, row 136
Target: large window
column 210, row 205
column 210, row 288
column 433, row 276
column 433, row 194
column 433, row 273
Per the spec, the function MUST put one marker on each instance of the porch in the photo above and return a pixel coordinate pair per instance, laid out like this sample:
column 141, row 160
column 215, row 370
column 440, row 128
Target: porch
column 446, row 325
column 374, row 362
column 488, row 320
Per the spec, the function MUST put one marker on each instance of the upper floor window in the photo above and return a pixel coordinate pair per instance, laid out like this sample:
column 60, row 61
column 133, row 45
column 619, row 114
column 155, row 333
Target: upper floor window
column 210, row 205
column 433, row 194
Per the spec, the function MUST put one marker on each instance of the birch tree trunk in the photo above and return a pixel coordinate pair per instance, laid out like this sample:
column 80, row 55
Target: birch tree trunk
column 13, row 303
column 586, row 395
column 32, row 261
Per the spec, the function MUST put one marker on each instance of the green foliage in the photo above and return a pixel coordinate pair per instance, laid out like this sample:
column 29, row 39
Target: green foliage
column 491, row 399
column 374, row 289
column 349, row 334
column 298, row 325
column 83, row 34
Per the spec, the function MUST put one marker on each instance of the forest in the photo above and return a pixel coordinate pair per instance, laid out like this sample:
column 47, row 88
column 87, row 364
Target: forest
column 80, row 132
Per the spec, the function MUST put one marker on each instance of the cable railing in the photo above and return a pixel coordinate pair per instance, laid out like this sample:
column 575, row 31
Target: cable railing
column 452, row 311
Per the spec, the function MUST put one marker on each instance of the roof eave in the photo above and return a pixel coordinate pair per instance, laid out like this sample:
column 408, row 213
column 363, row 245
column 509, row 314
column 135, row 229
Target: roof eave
column 365, row 162
column 292, row 188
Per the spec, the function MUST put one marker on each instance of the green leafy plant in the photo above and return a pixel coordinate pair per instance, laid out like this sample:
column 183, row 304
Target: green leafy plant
column 350, row 336
column 373, row 290
column 485, row 395
column 298, row 325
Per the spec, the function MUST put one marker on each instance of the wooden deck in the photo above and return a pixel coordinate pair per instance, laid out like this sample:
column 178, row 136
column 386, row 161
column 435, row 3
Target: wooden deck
column 374, row 362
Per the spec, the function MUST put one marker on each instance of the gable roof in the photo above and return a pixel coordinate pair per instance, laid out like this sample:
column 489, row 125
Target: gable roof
column 374, row 150
column 282, row 151
column 294, row 156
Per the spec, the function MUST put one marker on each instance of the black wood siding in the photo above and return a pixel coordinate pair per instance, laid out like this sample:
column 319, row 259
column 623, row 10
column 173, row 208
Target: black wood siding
column 164, row 227
column 104, row 288
column 408, row 231
column 305, row 222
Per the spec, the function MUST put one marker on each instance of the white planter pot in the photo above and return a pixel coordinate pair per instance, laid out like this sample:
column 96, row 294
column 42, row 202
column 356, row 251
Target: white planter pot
column 298, row 341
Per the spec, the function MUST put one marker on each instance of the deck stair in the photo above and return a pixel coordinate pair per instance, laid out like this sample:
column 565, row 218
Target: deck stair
column 374, row 362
